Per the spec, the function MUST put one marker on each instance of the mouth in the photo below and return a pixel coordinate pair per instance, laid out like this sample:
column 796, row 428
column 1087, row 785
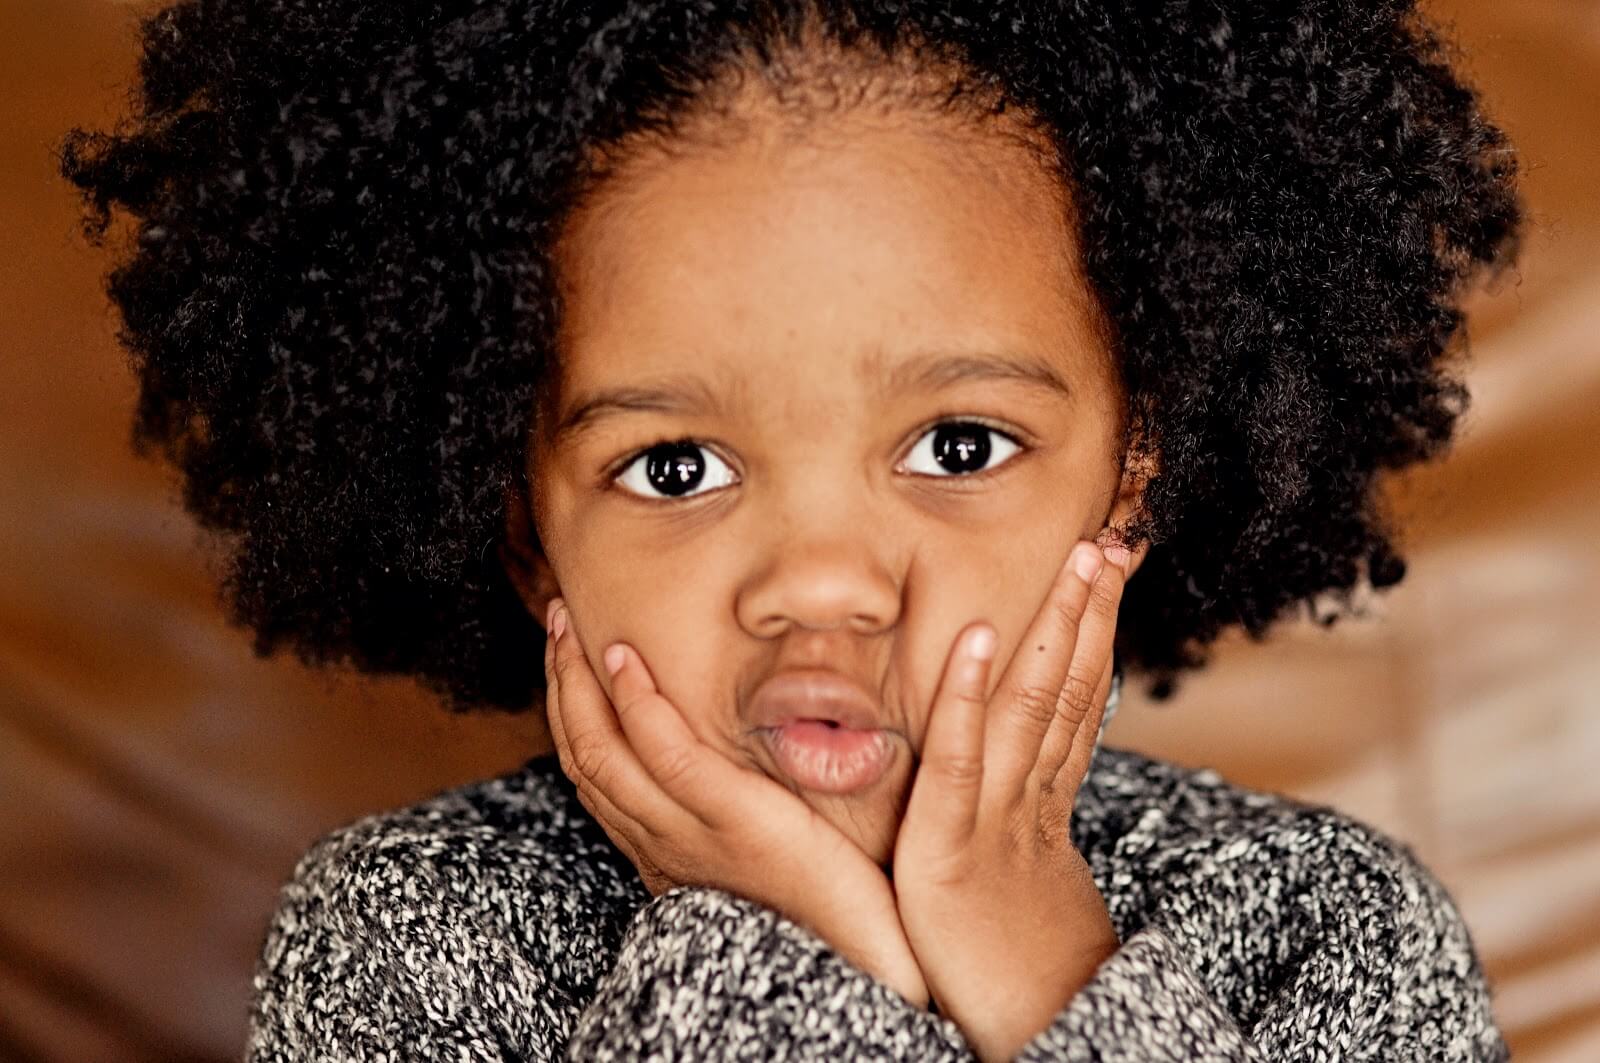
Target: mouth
column 827, row 757
column 822, row 730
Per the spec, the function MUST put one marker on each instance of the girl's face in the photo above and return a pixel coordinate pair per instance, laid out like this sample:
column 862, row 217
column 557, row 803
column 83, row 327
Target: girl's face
column 823, row 402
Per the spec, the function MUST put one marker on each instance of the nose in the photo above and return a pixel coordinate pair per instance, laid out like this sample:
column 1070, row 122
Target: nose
column 820, row 584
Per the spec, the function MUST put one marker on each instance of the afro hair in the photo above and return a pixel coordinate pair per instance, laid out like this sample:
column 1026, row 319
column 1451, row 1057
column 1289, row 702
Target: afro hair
column 339, row 305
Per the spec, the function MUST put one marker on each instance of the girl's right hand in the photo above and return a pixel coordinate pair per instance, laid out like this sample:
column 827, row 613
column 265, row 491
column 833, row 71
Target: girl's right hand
column 684, row 814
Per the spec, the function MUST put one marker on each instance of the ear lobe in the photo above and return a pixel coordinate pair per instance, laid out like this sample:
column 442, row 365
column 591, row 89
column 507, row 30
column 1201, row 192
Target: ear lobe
column 1137, row 470
column 523, row 559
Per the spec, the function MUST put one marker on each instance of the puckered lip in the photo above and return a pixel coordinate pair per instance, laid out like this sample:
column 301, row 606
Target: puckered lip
column 813, row 694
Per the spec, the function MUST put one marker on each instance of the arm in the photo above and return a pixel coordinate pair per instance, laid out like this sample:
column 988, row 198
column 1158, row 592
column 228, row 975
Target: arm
column 704, row 974
column 1146, row 1003
column 378, row 951
column 1394, row 976
column 1285, row 931
column 371, row 956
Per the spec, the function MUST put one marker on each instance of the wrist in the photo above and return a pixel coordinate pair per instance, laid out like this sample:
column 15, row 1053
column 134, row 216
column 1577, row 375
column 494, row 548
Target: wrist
column 1038, row 995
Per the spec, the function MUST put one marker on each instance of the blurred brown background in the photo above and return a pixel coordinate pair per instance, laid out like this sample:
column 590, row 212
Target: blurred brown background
column 157, row 783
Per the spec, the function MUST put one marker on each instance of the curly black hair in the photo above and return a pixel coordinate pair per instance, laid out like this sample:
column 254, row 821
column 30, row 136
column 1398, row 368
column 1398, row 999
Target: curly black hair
column 338, row 298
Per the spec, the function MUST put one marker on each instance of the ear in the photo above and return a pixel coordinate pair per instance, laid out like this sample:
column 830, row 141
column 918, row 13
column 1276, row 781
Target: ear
column 523, row 558
column 1137, row 469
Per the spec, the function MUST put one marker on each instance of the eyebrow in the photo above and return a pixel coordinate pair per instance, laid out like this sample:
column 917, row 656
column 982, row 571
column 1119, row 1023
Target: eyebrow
column 930, row 371
column 940, row 369
column 683, row 394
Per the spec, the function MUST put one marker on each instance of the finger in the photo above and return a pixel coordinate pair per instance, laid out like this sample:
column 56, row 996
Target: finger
column 949, row 783
column 1024, row 704
column 1069, row 777
column 597, row 752
column 701, row 781
column 552, row 695
column 694, row 775
column 1090, row 665
column 599, row 807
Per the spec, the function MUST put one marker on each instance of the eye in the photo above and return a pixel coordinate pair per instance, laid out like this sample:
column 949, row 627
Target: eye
column 674, row 469
column 959, row 448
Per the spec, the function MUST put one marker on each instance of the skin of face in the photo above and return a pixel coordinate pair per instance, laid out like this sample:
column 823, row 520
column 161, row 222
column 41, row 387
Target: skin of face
column 782, row 282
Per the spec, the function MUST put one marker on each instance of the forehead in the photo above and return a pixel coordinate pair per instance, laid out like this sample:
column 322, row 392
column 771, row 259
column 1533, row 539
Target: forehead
column 774, row 258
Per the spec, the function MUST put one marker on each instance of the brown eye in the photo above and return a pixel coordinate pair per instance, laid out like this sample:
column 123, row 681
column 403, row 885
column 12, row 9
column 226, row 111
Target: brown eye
column 674, row 470
column 959, row 448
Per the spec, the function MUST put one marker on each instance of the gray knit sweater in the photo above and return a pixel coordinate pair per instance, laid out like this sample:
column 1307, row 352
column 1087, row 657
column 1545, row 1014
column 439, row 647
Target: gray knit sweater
column 496, row 921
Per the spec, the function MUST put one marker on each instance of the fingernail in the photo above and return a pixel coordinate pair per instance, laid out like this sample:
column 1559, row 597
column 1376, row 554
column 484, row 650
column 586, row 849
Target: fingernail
column 1118, row 555
column 981, row 643
column 613, row 658
column 1086, row 561
column 560, row 620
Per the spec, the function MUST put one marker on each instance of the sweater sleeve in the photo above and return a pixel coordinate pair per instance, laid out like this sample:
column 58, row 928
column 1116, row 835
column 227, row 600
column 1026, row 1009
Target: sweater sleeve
column 705, row 974
column 1144, row 1003
column 1386, row 971
column 373, row 955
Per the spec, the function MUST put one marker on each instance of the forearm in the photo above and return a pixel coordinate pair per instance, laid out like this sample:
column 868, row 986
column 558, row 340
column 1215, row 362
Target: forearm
column 704, row 974
column 1143, row 1003
column 1350, row 997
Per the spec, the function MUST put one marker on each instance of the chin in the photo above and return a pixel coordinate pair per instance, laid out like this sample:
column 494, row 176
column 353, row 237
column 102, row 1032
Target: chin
column 868, row 817
column 871, row 819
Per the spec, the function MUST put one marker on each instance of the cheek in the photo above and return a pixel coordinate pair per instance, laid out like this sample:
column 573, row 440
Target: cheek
column 946, row 590
column 1003, row 583
column 677, row 632
column 663, row 603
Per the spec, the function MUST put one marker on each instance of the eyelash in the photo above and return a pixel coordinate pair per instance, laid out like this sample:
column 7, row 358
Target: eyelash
column 616, row 470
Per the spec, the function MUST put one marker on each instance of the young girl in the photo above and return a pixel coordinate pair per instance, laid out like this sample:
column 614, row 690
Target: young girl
column 852, row 390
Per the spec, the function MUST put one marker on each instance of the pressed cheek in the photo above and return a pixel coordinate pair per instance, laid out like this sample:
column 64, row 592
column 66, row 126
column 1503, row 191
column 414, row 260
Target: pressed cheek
column 672, row 628
column 999, row 582
column 666, row 607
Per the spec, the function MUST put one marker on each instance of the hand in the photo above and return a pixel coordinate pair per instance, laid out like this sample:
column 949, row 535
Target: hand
column 685, row 814
column 999, row 905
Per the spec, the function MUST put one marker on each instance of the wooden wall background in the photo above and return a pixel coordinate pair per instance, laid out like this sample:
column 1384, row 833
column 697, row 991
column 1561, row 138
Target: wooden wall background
column 157, row 782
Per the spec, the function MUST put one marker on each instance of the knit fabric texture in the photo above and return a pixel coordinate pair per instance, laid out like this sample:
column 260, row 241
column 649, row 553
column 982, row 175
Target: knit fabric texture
column 496, row 921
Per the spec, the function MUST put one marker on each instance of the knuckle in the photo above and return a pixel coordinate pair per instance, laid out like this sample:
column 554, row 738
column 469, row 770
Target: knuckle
column 1055, row 821
column 1035, row 704
column 1018, row 837
column 1077, row 692
column 675, row 766
column 589, row 755
column 1068, row 615
column 968, row 696
column 947, row 869
column 963, row 770
column 625, row 711
column 564, row 667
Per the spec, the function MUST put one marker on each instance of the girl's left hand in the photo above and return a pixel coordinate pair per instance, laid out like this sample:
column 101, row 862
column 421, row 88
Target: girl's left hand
column 997, row 903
